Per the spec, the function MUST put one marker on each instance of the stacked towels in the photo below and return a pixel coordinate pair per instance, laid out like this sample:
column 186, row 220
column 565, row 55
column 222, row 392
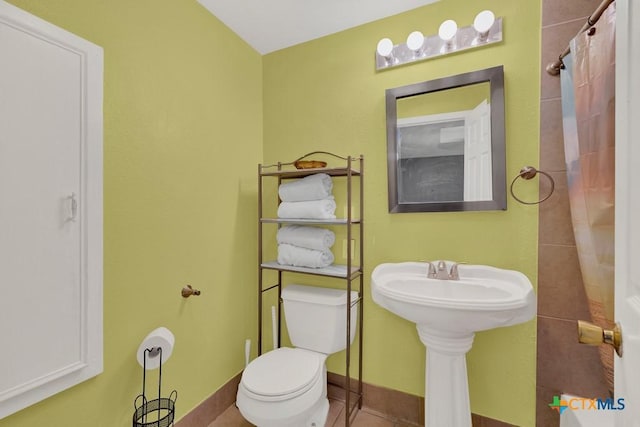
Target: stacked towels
column 304, row 246
column 319, row 239
column 310, row 197
column 307, row 198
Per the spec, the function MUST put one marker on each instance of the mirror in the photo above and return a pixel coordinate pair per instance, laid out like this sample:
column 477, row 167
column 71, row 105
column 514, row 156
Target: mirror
column 446, row 144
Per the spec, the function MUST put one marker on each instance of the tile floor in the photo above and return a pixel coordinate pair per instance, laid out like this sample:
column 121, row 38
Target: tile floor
column 364, row 418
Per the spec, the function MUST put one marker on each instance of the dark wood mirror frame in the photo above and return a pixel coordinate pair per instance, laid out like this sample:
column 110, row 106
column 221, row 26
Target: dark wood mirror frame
column 495, row 77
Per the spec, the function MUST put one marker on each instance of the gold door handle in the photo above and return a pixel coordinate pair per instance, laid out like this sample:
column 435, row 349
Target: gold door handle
column 590, row 334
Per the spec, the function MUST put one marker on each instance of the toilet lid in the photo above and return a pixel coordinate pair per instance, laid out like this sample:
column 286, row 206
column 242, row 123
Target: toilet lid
column 281, row 372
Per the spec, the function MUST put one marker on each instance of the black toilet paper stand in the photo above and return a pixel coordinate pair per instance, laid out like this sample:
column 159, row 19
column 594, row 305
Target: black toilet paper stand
column 158, row 412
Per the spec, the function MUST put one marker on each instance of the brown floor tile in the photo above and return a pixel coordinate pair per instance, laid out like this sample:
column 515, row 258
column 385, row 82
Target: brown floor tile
column 365, row 419
column 230, row 418
column 336, row 412
column 478, row 421
column 407, row 424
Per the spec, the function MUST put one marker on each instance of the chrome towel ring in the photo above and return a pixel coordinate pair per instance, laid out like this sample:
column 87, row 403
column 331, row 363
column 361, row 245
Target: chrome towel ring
column 527, row 173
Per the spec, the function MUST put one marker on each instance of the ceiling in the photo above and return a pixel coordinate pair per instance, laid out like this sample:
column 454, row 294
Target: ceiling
column 270, row 25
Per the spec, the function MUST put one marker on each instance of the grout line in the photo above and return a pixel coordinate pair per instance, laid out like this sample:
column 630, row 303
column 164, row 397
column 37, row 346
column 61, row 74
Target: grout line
column 569, row 21
column 562, row 319
column 553, row 98
column 337, row 421
column 557, row 245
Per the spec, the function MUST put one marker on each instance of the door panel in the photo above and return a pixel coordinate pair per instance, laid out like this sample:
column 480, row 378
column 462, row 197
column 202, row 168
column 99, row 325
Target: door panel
column 477, row 154
column 39, row 169
column 627, row 275
column 50, row 232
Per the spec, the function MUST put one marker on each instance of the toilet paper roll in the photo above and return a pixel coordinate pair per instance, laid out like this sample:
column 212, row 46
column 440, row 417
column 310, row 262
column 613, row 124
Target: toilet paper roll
column 158, row 338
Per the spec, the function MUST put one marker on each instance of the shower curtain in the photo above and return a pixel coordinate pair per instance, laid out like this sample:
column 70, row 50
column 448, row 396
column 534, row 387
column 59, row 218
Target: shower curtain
column 588, row 102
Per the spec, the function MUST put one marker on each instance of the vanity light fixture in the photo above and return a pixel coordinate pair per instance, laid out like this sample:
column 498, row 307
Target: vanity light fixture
column 486, row 29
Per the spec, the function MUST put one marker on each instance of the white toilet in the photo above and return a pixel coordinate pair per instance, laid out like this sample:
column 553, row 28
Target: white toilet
column 287, row 387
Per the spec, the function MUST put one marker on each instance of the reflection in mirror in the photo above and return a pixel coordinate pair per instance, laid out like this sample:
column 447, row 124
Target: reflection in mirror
column 446, row 144
column 444, row 139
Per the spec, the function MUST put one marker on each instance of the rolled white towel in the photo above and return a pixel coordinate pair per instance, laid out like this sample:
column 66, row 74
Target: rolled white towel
column 306, row 237
column 311, row 209
column 303, row 257
column 312, row 187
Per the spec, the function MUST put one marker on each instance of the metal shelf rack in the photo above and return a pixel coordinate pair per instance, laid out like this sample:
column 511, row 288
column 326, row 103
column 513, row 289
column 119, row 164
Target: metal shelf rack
column 350, row 170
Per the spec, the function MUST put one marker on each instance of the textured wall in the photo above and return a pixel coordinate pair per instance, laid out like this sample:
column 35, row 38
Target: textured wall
column 326, row 95
column 182, row 137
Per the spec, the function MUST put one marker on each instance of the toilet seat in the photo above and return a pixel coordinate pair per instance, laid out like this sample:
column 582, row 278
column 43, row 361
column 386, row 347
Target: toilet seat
column 282, row 374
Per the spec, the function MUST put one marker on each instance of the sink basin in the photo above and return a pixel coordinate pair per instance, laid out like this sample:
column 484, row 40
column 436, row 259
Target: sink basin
column 483, row 298
column 447, row 313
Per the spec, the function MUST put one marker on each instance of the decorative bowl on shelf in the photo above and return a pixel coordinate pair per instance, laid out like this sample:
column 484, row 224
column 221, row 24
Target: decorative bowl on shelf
column 309, row 164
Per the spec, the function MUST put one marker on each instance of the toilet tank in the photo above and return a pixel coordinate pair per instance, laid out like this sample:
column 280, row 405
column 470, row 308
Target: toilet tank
column 317, row 318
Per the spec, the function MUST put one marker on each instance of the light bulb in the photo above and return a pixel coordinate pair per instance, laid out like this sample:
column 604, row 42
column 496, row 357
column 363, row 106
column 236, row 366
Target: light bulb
column 415, row 40
column 385, row 47
column 448, row 30
column 484, row 21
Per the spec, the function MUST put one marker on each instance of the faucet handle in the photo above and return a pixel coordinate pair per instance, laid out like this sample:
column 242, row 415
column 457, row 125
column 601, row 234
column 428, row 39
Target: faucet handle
column 431, row 270
column 453, row 273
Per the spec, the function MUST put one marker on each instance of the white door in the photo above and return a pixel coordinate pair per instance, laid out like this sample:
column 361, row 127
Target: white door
column 50, row 209
column 477, row 154
column 627, row 235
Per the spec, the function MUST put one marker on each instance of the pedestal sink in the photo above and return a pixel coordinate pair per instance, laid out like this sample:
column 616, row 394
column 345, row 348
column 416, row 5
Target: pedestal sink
column 447, row 313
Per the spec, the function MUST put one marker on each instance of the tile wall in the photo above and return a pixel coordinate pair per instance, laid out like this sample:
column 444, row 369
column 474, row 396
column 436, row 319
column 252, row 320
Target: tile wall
column 563, row 364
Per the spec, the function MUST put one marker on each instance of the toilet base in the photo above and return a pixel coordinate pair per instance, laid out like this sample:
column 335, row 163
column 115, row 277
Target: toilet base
column 318, row 417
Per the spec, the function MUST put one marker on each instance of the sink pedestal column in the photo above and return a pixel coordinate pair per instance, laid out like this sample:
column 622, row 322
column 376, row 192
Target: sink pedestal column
column 447, row 389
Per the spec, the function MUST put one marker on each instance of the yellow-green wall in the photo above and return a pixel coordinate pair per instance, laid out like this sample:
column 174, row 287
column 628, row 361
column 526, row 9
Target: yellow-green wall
column 327, row 95
column 182, row 137
column 190, row 110
column 448, row 101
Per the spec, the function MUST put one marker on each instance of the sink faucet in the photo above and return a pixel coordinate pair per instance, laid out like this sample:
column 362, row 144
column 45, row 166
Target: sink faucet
column 440, row 272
